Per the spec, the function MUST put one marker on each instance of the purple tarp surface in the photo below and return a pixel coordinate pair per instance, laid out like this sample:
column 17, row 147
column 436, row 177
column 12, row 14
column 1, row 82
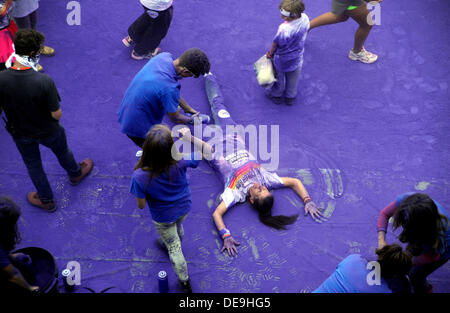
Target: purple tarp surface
column 358, row 136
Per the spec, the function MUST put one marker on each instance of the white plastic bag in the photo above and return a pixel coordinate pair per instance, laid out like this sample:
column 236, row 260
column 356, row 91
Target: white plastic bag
column 265, row 72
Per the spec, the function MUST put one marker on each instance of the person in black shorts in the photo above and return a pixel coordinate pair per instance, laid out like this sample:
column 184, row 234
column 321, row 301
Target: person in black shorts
column 341, row 10
column 146, row 33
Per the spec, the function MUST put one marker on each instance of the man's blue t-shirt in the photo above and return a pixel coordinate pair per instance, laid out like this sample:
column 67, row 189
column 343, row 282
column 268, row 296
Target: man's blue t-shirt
column 154, row 91
column 350, row 276
column 444, row 249
column 168, row 197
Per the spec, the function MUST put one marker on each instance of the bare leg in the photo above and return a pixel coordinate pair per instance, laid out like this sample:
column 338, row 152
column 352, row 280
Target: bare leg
column 360, row 15
column 328, row 18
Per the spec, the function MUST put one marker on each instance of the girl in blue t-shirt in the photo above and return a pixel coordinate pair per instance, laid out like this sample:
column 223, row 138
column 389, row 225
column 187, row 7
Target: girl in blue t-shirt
column 160, row 180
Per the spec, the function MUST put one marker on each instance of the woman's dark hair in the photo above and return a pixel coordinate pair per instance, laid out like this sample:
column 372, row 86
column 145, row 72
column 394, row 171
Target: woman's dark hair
column 394, row 261
column 158, row 154
column 9, row 215
column 264, row 208
column 196, row 61
column 28, row 42
column 421, row 223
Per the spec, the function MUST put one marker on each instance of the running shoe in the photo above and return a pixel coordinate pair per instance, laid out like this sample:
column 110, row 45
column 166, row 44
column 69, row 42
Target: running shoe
column 363, row 56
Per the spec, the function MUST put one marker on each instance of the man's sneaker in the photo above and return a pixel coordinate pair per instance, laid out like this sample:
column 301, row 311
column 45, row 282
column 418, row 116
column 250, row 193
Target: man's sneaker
column 186, row 286
column 136, row 56
column 363, row 56
column 34, row 199
column 127, row 41
column 86, row 168
column 48, row 51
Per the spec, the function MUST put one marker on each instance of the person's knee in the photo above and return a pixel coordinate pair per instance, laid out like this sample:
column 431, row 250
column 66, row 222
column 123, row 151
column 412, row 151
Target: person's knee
column 361, row 15
column 342, row 18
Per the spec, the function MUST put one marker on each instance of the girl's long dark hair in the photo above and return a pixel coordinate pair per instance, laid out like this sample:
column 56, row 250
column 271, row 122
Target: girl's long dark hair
column 422, row 224
column 157, row 152
column 9, row 215
column 264, row 208
column 394, row 261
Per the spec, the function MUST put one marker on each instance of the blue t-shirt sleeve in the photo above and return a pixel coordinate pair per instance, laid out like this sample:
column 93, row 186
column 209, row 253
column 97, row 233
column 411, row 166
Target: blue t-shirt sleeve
column 402, row 197
column 171, row 99
column 4, row 260
column 136, row 189
column 190, row 160
column 195, row 159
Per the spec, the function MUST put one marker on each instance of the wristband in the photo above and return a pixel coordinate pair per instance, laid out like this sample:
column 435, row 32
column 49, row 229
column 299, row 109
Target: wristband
column 224, row 233
column 307, row 200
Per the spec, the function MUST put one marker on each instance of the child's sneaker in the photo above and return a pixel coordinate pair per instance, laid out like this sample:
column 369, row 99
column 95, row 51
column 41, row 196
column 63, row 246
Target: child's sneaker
column 363, row 56
column 34, row 199
column 276, row 100
column 136, row 56
column 289, row 101
column 127, row 41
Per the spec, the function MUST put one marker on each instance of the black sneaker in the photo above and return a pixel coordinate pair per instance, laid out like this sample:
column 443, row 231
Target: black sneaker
column 276, row 100
column 186, row 286
column 290, row 101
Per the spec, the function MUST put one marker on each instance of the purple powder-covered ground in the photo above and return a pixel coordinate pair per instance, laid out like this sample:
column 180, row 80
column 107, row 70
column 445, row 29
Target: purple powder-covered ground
column 358, row 136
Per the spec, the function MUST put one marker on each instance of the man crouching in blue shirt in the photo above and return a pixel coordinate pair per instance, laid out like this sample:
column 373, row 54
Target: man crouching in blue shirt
column 155, row 91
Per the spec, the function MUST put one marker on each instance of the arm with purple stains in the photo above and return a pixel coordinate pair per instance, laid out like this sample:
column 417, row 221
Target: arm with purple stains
column 310, row 207
column 272, row 50
column 229, row 243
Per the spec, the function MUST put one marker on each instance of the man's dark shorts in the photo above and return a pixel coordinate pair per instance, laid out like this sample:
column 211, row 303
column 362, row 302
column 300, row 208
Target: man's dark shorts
column 338, row 7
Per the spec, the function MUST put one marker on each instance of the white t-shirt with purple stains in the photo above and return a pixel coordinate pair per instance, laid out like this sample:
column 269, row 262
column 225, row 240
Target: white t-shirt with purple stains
column 239, row 171
column 290, row 40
